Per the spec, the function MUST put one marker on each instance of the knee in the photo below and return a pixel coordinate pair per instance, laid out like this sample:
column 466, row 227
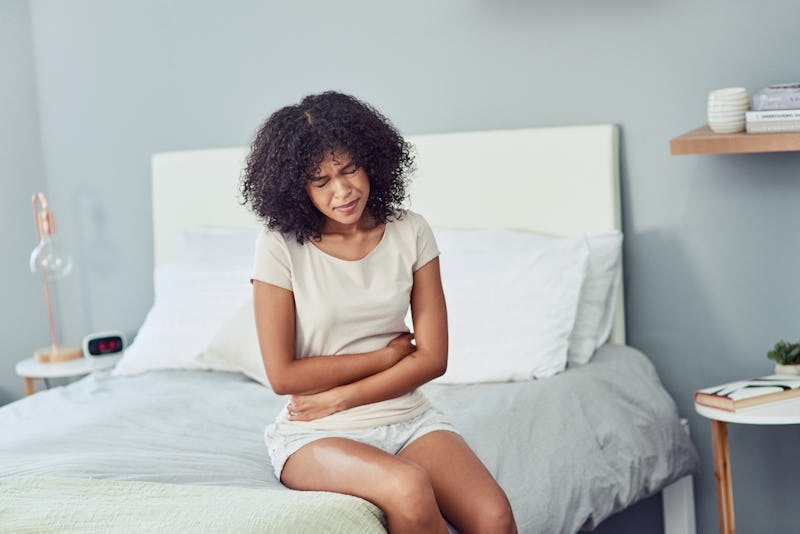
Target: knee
column 495, row 516
column 410, row 496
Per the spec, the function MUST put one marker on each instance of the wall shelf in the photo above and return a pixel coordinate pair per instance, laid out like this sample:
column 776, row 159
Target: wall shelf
column 703, row 141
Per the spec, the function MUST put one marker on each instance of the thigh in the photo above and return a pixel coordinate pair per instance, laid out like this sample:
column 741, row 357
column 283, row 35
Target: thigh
column 467, row 493
column 343, row 465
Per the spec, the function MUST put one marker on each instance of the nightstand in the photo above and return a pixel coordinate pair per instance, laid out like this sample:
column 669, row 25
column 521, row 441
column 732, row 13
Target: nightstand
column 30, row 369
column 774, row 413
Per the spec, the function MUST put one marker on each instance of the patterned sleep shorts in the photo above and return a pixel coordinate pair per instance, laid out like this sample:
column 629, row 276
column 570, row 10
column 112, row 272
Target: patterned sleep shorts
column 284, row 439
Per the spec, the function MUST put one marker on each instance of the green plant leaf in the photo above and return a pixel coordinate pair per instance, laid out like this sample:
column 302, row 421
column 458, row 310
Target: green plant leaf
column 785, row 353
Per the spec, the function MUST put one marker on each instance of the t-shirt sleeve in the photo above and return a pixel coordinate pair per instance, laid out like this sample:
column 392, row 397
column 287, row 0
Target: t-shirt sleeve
column 272, row 263
column 427, row 249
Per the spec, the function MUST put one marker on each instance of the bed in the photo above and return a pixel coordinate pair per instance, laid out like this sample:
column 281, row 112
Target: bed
column 173, row 439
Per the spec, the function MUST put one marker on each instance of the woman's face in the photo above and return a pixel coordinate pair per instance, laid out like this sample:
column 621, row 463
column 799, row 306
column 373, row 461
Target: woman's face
column 339, row 190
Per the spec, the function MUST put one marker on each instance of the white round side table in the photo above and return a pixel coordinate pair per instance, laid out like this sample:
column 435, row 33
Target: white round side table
column 30, row 369
column 773, row 413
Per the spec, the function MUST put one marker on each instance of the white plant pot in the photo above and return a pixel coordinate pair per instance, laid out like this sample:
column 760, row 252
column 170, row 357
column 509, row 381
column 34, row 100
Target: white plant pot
column 787, row 369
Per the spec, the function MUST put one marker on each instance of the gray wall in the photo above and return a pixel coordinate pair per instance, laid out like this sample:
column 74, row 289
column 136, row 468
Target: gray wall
column 711, row 241
column 23, row 319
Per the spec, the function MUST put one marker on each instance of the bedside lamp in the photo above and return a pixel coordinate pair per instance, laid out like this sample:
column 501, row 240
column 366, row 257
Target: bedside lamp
column 51, row 260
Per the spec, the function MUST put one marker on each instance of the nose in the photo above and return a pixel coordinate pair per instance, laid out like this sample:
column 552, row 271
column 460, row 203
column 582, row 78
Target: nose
column 341, row 188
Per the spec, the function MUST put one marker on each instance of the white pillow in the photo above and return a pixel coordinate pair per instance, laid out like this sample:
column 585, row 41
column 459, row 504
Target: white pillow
column 466, row 258
column 597, row 303
column 235, row 346
column 192, row 301
column 510, row 308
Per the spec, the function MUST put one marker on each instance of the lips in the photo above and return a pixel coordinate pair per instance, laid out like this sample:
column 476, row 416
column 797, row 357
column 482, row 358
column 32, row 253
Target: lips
column 346, row 208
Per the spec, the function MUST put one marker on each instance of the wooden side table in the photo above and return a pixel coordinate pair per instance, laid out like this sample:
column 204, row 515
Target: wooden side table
column 774, row 413
column 30, row 369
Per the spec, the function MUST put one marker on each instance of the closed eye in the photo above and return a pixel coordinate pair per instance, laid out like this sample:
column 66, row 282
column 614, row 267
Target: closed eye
column 319, row 185
column 350, row 168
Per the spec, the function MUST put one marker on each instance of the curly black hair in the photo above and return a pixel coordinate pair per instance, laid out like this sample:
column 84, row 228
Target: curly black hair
column 291, row 144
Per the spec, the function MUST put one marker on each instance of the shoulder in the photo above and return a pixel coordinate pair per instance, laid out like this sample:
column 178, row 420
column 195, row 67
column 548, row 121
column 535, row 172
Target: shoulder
column 418, row 234
column 408, row 218
column 273, row 261
column 275, row 244
column 271, row 239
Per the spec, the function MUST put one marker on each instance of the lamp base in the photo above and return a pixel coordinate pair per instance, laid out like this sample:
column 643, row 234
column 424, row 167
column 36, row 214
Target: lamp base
column 46, row 354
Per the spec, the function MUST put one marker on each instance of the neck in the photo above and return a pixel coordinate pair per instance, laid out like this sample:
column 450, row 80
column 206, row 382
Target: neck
column 366, row 222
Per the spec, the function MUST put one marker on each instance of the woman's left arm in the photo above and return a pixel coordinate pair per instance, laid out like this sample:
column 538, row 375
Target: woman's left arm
column 429, row 313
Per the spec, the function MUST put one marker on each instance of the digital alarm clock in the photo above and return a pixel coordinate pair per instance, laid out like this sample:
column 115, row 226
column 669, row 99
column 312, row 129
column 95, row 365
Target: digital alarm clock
column 101, row 344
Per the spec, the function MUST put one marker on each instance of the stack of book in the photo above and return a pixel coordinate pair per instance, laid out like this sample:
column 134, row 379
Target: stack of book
column 776, row 108
column 734, row 396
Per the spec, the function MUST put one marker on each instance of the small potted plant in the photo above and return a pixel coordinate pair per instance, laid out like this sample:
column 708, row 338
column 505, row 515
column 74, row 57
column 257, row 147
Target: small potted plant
column 787, row 358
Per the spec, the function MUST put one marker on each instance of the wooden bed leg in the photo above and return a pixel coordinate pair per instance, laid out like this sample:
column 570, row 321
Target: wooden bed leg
column 722, row 473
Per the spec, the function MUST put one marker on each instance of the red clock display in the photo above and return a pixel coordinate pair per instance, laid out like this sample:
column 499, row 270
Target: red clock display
column 106, row 345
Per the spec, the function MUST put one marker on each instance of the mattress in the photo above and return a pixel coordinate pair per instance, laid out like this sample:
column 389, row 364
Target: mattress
column 569, row 450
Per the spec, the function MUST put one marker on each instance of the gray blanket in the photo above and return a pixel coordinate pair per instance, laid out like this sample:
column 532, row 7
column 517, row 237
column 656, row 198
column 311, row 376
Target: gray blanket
column 569, row 450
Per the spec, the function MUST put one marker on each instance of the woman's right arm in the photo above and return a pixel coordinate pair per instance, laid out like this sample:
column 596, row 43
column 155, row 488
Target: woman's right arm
column 275, row 324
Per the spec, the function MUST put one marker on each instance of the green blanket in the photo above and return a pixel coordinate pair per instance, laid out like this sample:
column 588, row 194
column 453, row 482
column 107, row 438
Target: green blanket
column 45, row 504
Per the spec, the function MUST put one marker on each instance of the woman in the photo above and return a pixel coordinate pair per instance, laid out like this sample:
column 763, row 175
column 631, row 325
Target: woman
column 335, row 271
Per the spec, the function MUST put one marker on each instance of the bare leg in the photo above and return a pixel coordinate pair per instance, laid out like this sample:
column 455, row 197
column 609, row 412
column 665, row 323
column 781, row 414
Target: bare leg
column 396, row 485
column 466, row 492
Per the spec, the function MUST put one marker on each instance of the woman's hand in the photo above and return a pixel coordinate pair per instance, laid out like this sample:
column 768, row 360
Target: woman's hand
column 400, row 347
column 315, row 406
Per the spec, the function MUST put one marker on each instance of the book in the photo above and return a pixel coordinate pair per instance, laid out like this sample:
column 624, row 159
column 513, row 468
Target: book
column 780, row 96
column 773, row 115
column 781, row 126
column 734, row 396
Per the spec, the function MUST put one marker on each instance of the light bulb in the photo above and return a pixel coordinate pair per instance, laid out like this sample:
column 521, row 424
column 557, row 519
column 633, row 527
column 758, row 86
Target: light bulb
column 51, row 259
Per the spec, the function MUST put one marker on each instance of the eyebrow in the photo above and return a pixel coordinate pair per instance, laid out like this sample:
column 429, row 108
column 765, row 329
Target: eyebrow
column 351, row 163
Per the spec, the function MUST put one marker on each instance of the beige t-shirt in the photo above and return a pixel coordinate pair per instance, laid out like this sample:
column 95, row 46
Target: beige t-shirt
column 350, row 307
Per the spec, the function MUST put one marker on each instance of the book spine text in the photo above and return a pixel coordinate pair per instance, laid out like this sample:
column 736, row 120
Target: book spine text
column 773, row 115
column 773, row 126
